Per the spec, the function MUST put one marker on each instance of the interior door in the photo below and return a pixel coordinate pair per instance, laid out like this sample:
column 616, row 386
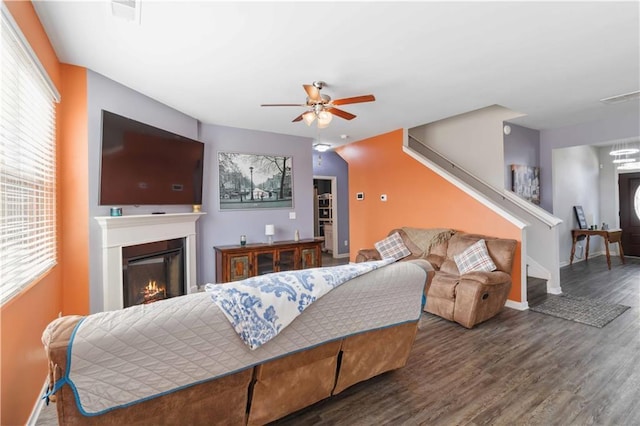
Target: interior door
column 629, row 192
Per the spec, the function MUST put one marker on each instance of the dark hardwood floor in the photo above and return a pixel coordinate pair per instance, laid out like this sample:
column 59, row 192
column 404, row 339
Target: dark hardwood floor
column 519, row 368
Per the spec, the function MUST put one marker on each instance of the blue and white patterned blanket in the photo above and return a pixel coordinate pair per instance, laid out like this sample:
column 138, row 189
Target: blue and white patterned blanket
column 260, row 307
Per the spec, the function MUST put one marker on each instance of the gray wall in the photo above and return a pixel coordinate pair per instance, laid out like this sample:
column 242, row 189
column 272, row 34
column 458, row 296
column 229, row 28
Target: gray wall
column 103, row 93
column 216, row 227
column 334, row 165
column 595, row 132
column 583, row 174
column 521, row 147
column 576, row 182
column 225, row 227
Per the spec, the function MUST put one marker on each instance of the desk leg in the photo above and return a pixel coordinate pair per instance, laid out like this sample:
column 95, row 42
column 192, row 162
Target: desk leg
column 573, row 249
column 606, row 247
column 586, row 252
column 620, row 250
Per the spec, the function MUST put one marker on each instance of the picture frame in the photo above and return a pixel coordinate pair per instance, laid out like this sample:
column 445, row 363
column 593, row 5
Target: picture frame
column 525, row 182
column 580, row 217
column 254, row 181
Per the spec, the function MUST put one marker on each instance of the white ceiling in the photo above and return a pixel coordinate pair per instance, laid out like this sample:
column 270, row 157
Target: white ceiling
column 423, row 61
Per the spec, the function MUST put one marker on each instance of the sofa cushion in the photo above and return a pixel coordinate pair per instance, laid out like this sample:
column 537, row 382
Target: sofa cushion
column 392, row 247
column 474, row 258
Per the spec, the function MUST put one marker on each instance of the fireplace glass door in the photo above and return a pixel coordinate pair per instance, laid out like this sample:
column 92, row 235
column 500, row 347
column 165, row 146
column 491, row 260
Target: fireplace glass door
column 153, row 272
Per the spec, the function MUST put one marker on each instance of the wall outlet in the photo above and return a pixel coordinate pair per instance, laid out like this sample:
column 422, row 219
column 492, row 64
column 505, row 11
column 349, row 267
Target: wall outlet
column 346, row 243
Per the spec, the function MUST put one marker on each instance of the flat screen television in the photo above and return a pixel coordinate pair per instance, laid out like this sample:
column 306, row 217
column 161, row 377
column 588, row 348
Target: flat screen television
column 144, row 165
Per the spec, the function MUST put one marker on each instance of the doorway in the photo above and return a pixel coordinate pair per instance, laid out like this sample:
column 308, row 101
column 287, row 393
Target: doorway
column 325, row 212
column 629, row 196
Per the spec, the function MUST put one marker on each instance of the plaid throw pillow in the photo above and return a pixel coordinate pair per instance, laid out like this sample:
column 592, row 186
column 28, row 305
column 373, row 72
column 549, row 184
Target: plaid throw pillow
column 475, row 258
column 392, row 247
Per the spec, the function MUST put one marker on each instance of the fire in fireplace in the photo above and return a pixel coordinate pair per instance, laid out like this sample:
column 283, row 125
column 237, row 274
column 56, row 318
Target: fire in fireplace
column 153, row 271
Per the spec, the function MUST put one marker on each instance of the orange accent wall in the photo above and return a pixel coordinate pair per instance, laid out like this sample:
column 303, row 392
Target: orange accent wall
column 73, row 184
column 417, row 197
column 23, row 364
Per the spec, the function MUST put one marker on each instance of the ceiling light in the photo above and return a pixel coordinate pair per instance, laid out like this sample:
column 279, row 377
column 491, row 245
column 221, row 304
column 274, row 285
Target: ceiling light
column 625, row 151
column 308, row 117
column 630, row 166
column 624, row 160
column 324, row 118
column 322, row 147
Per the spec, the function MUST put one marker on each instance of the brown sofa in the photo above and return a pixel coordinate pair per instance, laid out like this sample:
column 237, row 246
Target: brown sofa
column 272, row 389
column 467, row 299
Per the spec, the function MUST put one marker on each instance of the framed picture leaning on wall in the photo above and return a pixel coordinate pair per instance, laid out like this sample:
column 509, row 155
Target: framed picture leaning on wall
column 254, row 181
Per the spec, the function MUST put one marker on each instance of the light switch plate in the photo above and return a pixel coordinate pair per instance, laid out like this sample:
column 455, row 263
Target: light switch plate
column 360, row 196
column 292, row 215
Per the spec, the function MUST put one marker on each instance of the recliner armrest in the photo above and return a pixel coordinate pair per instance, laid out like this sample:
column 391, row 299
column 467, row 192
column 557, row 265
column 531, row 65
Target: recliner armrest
column 366, row 255
column 487, row 278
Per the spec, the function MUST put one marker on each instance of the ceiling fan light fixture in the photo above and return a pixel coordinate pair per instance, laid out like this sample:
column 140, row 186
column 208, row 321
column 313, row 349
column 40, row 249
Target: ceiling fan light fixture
column 324, row 118
column 309, row 117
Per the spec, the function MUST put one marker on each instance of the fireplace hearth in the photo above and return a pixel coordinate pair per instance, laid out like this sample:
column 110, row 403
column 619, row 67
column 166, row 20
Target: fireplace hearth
column 153, row 272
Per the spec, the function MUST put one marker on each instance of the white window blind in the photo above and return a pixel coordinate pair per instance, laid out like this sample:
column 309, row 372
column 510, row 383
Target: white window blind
column 27, row 164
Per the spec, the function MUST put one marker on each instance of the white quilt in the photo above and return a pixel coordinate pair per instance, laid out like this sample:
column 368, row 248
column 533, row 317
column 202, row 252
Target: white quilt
column 119, row 358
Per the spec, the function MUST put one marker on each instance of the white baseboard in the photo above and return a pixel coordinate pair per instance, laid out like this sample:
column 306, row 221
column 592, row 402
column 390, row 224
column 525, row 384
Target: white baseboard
column 554, row 290
column 520, row 306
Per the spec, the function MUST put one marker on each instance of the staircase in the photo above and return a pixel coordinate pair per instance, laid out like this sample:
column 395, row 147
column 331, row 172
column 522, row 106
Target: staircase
column 540, row 244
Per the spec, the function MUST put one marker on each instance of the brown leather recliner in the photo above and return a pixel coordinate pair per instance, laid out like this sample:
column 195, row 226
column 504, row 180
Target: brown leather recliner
column 467, row 299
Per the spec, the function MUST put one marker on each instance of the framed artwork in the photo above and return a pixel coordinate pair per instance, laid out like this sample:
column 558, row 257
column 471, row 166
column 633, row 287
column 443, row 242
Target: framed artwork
column 254, row 181
column 582, row 221
column 525, row 182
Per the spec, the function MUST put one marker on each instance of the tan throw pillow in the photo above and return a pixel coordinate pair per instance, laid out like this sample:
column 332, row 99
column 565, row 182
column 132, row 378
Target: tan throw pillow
column 392, row 247
column 474, row 258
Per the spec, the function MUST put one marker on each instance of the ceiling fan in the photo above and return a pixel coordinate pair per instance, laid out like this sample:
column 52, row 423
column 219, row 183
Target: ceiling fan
column 321, row 107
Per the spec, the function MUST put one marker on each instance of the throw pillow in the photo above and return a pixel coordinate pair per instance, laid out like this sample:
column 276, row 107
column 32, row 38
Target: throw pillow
column 392, row 247
column 475, row 258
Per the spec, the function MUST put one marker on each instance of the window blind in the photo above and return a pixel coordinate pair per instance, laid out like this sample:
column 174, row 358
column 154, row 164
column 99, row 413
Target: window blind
column 27, row 165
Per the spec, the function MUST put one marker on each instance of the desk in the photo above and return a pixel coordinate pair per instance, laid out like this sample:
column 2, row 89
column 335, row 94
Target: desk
column 610, row 236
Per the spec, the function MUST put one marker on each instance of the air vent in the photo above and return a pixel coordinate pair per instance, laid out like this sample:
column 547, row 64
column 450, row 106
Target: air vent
column 128, row 10
column 621, row 98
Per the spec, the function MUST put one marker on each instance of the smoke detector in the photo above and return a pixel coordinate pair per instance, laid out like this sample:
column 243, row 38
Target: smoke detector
column 129, row 10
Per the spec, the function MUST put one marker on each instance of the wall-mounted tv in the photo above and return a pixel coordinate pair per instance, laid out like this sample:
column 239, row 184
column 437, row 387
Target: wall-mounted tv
column 144, row 165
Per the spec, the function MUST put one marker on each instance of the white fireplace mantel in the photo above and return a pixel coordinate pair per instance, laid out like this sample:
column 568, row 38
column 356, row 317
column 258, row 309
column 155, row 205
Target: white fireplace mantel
column 123, row 231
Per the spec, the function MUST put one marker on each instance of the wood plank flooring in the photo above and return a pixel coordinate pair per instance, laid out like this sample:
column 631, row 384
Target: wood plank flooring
column 520, row 368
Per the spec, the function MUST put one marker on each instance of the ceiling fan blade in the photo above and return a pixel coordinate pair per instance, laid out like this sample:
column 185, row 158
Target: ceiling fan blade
column 312, row 92
column 302, row 105
column 354, row 100
column 340, row 113
column 298, row 118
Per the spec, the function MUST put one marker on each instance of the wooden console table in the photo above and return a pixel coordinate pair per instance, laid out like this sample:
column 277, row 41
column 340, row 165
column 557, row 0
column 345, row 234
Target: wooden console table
column 610, row 236
column 236, row 262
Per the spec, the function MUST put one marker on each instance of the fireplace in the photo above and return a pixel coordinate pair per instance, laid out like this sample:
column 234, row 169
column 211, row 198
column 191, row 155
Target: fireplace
column 119, row 232
column 153, row 272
